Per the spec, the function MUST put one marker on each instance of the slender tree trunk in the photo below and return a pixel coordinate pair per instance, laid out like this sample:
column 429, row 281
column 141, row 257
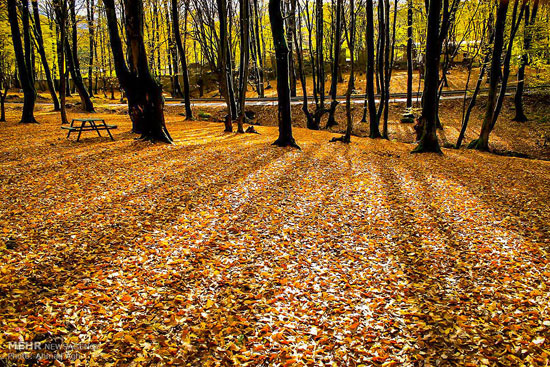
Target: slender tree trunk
column 428, row 140
column 409, row 53
column 183, row 56
column 373, row 117
column 300, row 58
column 23, row 59
column 90, row 8
column 60, row 8
column 320, row 56
column 283, row 85
column 144, row 93
column 528, row 34
column 3, row 96
column 482, row 143
column 351, row 39
column 42, row 52
column 73, row 64
column 472, row 104
column 336, row 63
column 261, row 91
column 245, row 58
column 227, row 78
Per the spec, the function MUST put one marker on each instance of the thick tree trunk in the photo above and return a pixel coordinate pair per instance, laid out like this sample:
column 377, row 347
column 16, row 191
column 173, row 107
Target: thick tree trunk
column 336, row 63
column 482, row 143
column 23, row 59
column 40, row 42
column 283, row 86
column 144, row 93
column 183, row 57
column 428, row 140
column 245, row 58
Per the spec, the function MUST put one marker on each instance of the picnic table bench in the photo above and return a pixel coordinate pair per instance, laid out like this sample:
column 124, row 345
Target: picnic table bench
column 88, row 124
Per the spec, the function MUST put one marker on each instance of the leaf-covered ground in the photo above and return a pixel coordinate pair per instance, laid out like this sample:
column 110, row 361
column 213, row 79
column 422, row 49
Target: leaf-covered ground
column 223, row 250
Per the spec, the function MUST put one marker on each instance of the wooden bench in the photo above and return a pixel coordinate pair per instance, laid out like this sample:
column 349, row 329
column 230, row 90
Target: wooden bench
column 88, row 124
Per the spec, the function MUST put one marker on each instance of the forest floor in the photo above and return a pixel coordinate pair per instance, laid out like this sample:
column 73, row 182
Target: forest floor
column 225, row 250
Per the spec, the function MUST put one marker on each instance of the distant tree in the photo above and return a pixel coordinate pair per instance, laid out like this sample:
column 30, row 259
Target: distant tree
column 5, row 76
column 283, row 86
column 23, row 57
column 144, row 93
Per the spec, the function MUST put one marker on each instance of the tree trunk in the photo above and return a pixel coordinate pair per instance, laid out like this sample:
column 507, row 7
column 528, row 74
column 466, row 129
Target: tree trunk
column 183, row 56
column 227, row 79
column 336, row 63
column 373, row 117
column 3, row 96
column 528, row 34
column 300, row 58
column 245, row 58
column 428, row 140
column 60, row 9
column 283, row 85
column 144, row 93
column 482, row 143
column 23, row 59
column 259, row 50
column 351, row 40
column 409, row 52
column 91, row 32
column 40, row 42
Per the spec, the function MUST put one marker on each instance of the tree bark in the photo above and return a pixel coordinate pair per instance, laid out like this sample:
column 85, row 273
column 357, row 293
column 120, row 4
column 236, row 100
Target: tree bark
column 371, row 103
column 428, row 140
column 245, row 58
column 60, row 9
column 283, row 85
column 528, row 36
column 91, row 32
column 144, row 93
column 336, row 63
column 227, row 77
column 300, row 58
column 23, row 59
column 409, row 52
column 482, row 143
column 42, row 52
column 183, row 57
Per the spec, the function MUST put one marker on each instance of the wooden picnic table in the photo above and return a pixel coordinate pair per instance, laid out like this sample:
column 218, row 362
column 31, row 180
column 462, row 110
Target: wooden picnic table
column 88, row 124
